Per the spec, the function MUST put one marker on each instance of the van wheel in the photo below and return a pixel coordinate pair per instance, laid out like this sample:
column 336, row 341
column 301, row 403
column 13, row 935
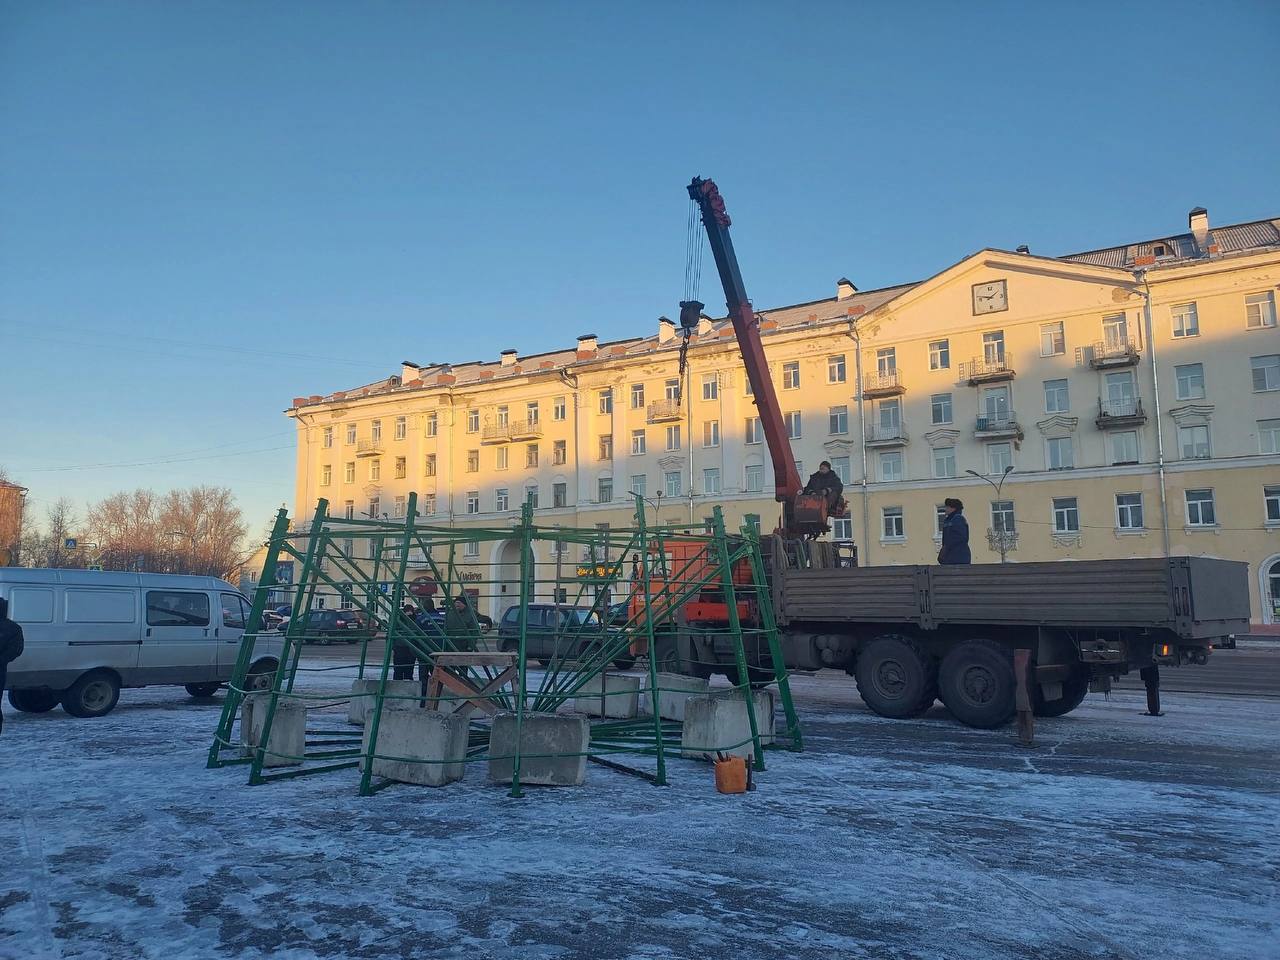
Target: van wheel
column 896, row 677
column 93, row 695
column 977, row 683
column 202, row 690
column 261, row 675
column 34, row 701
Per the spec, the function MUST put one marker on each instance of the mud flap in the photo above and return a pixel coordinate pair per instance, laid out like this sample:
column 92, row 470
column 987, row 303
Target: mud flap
column 1022, row 696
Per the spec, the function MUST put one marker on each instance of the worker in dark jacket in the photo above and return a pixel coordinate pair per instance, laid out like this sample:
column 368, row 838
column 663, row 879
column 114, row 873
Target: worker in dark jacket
column 826, row 483
column 11, row 645
column 460, row 623
column 402, row 658
column 955, row 534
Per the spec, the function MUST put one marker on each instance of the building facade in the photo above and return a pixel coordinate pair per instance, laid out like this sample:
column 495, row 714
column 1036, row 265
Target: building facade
column 12, row 501
column 1122, row 402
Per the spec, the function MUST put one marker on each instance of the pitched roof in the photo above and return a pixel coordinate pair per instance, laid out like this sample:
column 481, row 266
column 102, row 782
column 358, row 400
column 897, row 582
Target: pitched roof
column 1234, row 238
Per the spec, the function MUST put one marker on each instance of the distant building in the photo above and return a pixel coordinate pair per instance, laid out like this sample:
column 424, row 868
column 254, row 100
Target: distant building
column 12, row 498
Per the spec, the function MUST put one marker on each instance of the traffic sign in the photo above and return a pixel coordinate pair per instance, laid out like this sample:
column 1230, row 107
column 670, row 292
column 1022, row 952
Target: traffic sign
column 70, row 543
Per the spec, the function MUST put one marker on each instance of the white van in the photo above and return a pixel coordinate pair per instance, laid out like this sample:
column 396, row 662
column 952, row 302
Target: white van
column 90, row 633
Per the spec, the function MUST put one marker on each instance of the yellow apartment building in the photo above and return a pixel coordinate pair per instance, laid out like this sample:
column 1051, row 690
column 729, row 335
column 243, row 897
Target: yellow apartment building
column 1120, row 402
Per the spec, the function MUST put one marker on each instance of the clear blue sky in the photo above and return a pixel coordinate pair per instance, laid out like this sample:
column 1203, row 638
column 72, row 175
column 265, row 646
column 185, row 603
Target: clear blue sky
column 209, row 208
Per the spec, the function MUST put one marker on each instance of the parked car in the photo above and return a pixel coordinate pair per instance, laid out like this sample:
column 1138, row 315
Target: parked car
column 91, row 633
column 620, row 613
column 556, row 633
column 333, row 626
column 274, row 617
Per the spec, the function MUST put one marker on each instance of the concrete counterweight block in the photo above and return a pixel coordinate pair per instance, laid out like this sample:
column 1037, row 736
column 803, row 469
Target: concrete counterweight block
column 674, row 690
column 718, row 723
column 621, row 696
column 563, row 739
column 288, row 728
column 433, row 746
column 364, row 696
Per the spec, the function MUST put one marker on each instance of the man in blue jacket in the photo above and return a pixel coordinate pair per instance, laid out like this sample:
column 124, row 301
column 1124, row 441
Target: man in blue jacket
column 955, row 534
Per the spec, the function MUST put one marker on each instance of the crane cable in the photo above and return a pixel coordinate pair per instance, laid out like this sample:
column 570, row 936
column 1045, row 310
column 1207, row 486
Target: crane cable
column 692, row 284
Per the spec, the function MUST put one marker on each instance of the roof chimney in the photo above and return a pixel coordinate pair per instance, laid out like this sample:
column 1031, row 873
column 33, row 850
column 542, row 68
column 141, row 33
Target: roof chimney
column 408, row 371
column 666, row 329
column 1198, row 222
column 845, row 288
column 508, row 358
column 1023, row 248
column 587, row 346
column 704, row 325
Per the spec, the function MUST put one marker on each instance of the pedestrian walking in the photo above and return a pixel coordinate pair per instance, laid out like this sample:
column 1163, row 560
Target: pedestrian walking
column 955, row 534
column 11, row 644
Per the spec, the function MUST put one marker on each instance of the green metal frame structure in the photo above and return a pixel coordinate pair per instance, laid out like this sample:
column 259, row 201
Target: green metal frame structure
column 362, row 566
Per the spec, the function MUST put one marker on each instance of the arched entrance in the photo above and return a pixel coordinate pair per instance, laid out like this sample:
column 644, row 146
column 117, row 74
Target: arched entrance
column 505, row 578
column 1269, row 588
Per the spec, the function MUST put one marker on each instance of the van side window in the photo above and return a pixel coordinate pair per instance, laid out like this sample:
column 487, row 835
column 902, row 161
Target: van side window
column 232, row 611
column 31, row 605
column 93, row 605
column 177, row 608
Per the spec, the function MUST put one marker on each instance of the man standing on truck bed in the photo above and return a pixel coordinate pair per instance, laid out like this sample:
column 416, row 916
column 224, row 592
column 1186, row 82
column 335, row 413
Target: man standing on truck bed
column 11, row 645
column 955, row 534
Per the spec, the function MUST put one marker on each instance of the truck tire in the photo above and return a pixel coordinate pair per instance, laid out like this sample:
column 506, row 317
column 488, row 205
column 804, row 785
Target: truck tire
column 1074, row 690
column 202, row 690
column 896, row 677
column 34, row 701
column 261, row 675
column 977, row 683
column 94, row 695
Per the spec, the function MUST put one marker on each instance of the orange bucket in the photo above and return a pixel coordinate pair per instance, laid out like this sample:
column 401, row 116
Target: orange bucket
column 731, row 775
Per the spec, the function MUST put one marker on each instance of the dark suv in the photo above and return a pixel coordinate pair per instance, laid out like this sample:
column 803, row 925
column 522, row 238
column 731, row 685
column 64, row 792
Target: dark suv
column 333, row 626
column 557, row 633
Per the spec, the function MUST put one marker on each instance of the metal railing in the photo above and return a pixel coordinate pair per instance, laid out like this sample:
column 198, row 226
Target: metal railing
column 663, row 410
column 984, row 368
column 1002, row 421
column 881, row 382
column 886, row 433
column 1115, row 350
column 1124, row 407
column 512, row 430
column 368, row 448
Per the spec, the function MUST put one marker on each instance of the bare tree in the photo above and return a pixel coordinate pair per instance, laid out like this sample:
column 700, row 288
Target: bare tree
column 198, row 530
column 46, row 545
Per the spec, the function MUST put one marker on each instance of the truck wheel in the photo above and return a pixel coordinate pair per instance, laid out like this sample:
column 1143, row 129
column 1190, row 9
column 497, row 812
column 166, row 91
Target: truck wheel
column 34, row 701
column 896, row 678
column 93, row 695
column 261, row 675
column 1074, row 690
column 977, row 683
column 202, row 690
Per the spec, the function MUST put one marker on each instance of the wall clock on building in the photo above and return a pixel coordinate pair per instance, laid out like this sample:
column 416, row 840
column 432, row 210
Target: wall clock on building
column 990, row 297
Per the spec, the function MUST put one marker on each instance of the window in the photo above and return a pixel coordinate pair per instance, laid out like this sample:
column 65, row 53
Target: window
column 1115, row 331
column 502, row 499
column 840, row 467
column 753, row 478
column 503, row 416
column 673, row 437
column 800, row 468
column 637, row 396
column 401, row 468
column 993, row 346
column 838, row 419
column 432, row 424
column 559, row 452
column 1066, row 515
column 836, row 369
column 1269, row 436
column 531, row 455
column 672, row 389
column 606, row 400
column 755, row 434
column 944, row 461
column 346, row 603
column 940, row 407
column 1056, row 396
column 401, row 428
column 1266, row 372
column 351, row 433
column 640, row 484
column 1185, row 321
column 1124, row 446
column 375, row 469
column 165, row 608
column 326, row 475
column 940, row 355
column 890, row 466
column 375, row 431
column 1190, row 377
column 349, row 511
column 939, row 515
column 887, row 361
column 558, row 408
column 842, row 529
column 791, row 375
column 473, row 461
column 1200, row 508
column 604, row 490
column 375, row 507
column 1260, row 310
column 672, row 478
column 531, row 495
column 711, row 480
column 1194, row 442
column 711, row 433
column 1129, row 511
column 399, row 507
column 501, row 458
column 327, row 435
column 559, row 494
column 429, row 465
column 604, row 450
column 349, row 472
column 996, row 407
column 999, row 458
column 637, row 442
column 710, row 386
column 531, row 413
column 889, row 413
column 1059, row 453
column 473, row 421
column 1053, row 341
column 471, row 549
column 1002, row 520
column 793, row 424
column 891, row 524
column 1271, row 503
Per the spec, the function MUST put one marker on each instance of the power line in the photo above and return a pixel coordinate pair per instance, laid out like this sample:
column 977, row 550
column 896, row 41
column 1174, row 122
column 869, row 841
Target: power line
column 156, row 462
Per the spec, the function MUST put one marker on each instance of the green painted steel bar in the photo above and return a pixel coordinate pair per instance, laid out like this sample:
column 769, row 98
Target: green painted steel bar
column 769, row 622
column 526, row 560
column 735, row 629
column 305, row 615
column 654, row 694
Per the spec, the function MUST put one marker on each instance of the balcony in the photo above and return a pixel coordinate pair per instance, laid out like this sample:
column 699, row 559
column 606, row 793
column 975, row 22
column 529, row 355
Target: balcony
column 369, row 448
column 1125, row 412
column 662, row 411
column 882, row 385
column 886, row 435
column 997, row 426
column 987, row 370
column 512, row 430
column 1114, row 353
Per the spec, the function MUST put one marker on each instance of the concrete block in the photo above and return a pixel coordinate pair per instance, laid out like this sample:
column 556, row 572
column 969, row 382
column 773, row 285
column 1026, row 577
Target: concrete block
column 563, row 740
column 674, row 690
column 437, row 739
column 288, row 728
column 364, row 693
column 718, row 723
column 621, row 696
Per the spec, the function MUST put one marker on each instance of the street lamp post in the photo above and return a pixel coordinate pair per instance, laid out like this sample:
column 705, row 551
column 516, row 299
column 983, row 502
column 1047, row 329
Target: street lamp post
column 1002, row 539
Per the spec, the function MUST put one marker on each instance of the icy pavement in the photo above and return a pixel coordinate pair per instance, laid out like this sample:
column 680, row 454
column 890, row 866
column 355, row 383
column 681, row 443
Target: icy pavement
column 1117, row 836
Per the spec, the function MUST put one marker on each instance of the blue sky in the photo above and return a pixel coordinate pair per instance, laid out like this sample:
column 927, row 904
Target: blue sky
column 209, row 208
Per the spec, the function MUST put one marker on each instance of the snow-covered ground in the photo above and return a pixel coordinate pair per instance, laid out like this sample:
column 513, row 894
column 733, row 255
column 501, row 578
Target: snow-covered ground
column 1118, row 835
